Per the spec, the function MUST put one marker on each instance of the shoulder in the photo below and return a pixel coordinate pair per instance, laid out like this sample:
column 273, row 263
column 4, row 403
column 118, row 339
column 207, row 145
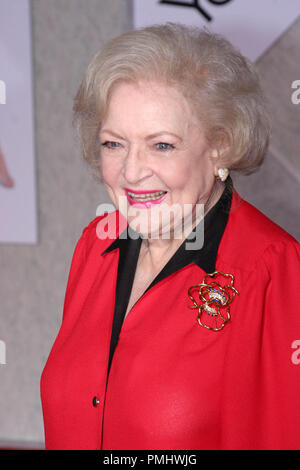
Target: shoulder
column 102, row 231
column 250, row 236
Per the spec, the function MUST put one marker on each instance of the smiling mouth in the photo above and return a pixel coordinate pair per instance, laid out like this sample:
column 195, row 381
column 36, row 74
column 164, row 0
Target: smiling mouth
column 143, row 197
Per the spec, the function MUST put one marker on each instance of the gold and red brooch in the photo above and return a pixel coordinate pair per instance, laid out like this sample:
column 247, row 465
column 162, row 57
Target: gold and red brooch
column 214, row 300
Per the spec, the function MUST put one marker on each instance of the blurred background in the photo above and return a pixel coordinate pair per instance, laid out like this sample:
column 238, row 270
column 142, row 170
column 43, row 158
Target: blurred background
column 65, row 34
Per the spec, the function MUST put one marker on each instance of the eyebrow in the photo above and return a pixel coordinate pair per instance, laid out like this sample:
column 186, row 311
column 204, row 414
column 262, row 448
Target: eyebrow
column 151, row 136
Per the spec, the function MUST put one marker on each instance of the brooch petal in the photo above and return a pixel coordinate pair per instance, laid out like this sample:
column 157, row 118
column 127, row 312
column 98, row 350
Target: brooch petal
column 214, row 300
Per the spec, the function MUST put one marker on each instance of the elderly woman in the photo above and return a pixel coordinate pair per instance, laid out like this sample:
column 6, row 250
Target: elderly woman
column 181, row 316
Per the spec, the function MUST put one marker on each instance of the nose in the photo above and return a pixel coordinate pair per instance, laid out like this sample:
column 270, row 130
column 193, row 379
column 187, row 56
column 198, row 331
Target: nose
column 136, row 166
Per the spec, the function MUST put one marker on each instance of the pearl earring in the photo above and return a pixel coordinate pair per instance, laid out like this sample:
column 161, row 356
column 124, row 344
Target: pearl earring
column 222, row 174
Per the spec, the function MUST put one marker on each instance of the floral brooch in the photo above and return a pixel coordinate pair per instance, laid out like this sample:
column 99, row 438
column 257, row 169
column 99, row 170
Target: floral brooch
column 214, row 300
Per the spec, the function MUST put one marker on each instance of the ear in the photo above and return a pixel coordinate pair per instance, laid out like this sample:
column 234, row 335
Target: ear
column 215, row 157
column 219, row 153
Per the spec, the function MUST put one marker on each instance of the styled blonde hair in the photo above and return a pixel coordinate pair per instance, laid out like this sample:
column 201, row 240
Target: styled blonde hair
column 220, row 84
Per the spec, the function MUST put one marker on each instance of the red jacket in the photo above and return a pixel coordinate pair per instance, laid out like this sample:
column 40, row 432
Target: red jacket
column 174, row 384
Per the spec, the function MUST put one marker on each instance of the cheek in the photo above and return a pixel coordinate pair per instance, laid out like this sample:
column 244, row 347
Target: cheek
column 184, row 176
column 192, row 180
column 110, row 171
column 175, row 174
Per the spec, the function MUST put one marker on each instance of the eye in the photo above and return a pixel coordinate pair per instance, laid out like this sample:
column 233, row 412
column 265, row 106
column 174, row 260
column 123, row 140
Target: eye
column 164, row 146
column 110, row 145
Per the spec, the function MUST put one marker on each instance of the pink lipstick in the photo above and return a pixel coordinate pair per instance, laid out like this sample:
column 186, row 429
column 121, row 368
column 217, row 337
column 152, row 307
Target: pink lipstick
column 144, row 199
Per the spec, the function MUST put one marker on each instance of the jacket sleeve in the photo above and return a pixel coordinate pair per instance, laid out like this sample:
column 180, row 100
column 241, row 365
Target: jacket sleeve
column 261, row 389
column 280, row 367
column 77, row 263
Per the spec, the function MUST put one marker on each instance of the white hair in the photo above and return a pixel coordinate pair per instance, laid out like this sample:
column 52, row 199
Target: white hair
column 220, row 84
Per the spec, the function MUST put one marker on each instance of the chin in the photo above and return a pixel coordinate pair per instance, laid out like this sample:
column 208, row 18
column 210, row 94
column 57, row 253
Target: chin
column 143, row 227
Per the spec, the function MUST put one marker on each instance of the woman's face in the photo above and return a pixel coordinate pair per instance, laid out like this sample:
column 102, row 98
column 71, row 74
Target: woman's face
column 154, row 157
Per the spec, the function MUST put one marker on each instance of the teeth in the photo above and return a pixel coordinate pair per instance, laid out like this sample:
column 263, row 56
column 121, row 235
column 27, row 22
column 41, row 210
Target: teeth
column 146, row 196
